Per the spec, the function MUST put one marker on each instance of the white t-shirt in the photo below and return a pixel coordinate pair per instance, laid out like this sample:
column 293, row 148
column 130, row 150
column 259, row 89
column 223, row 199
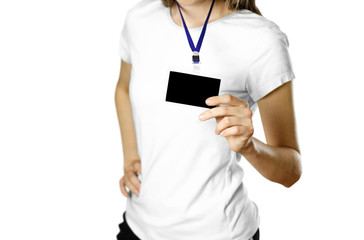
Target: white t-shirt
column 191, row 182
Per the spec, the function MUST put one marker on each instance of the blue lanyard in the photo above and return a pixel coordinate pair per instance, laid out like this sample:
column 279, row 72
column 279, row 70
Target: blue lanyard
column 196, row 50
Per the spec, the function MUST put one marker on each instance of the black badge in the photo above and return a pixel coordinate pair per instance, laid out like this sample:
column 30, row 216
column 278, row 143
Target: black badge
column 191, row 89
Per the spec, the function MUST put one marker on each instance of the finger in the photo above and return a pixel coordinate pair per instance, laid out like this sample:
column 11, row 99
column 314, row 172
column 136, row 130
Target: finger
column 131, row 187
column 238, row 130
column 220, row 111
column 226, row 99
column 138, row 167
column 122, row 187
column 229, row 121
column 133, row 178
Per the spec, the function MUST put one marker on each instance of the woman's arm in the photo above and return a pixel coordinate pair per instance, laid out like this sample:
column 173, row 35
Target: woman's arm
column 125, row 118
column 132, row 161
column 279, row 160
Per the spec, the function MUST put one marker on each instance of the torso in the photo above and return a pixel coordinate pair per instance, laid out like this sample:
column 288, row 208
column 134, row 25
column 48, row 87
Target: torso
column 192, row 184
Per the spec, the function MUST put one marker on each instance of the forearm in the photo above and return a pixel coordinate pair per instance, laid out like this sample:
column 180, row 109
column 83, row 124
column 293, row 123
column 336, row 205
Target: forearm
column 126, row 124
column 278, row 164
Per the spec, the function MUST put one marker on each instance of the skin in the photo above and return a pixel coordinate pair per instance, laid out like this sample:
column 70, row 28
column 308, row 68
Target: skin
column 195, row 12
column 278, row 160
column 132, row 163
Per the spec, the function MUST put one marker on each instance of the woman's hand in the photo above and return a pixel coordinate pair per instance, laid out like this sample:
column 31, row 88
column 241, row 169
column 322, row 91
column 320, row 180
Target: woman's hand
column 130, row 177
column 233, row 122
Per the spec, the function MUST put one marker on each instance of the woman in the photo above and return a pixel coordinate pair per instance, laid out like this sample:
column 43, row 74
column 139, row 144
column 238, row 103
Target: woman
column 182, row 171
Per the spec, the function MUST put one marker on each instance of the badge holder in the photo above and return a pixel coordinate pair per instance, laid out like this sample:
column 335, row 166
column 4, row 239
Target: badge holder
column 192, row 89
column 196, row 65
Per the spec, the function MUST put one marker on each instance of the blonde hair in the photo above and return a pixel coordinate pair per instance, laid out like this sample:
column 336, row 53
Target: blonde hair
column 231, row 4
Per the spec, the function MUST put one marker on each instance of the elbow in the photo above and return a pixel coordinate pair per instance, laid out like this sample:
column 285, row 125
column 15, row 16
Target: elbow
column 295, row 174
column 120, row 91
column 292, row 180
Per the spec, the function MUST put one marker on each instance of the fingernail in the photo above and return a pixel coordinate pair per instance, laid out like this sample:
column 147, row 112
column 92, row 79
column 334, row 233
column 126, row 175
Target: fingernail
column 208, row 101
column 202, row 116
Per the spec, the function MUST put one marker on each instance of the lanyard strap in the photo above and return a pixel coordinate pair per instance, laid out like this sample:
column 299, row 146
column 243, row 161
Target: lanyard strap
column 193, row 48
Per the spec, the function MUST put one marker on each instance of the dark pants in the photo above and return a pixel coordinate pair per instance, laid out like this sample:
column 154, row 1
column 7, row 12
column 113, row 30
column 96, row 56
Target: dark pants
column 127, row 234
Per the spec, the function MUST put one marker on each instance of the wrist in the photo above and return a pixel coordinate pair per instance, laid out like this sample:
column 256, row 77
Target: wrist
column 248, row 147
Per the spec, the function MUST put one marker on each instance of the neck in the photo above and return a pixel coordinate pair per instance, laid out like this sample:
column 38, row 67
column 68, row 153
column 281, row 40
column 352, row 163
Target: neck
column 195, row 13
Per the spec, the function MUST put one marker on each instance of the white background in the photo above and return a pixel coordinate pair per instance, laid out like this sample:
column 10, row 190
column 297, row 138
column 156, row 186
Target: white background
column 60, row 145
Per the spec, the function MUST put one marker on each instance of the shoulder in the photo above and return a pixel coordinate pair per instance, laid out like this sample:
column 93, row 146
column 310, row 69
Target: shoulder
column 259, row 27
column 143, row 8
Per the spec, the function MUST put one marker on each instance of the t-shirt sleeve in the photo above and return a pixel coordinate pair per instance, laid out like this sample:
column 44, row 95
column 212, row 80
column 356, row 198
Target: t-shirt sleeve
column 270, row 65
column 124, row 41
